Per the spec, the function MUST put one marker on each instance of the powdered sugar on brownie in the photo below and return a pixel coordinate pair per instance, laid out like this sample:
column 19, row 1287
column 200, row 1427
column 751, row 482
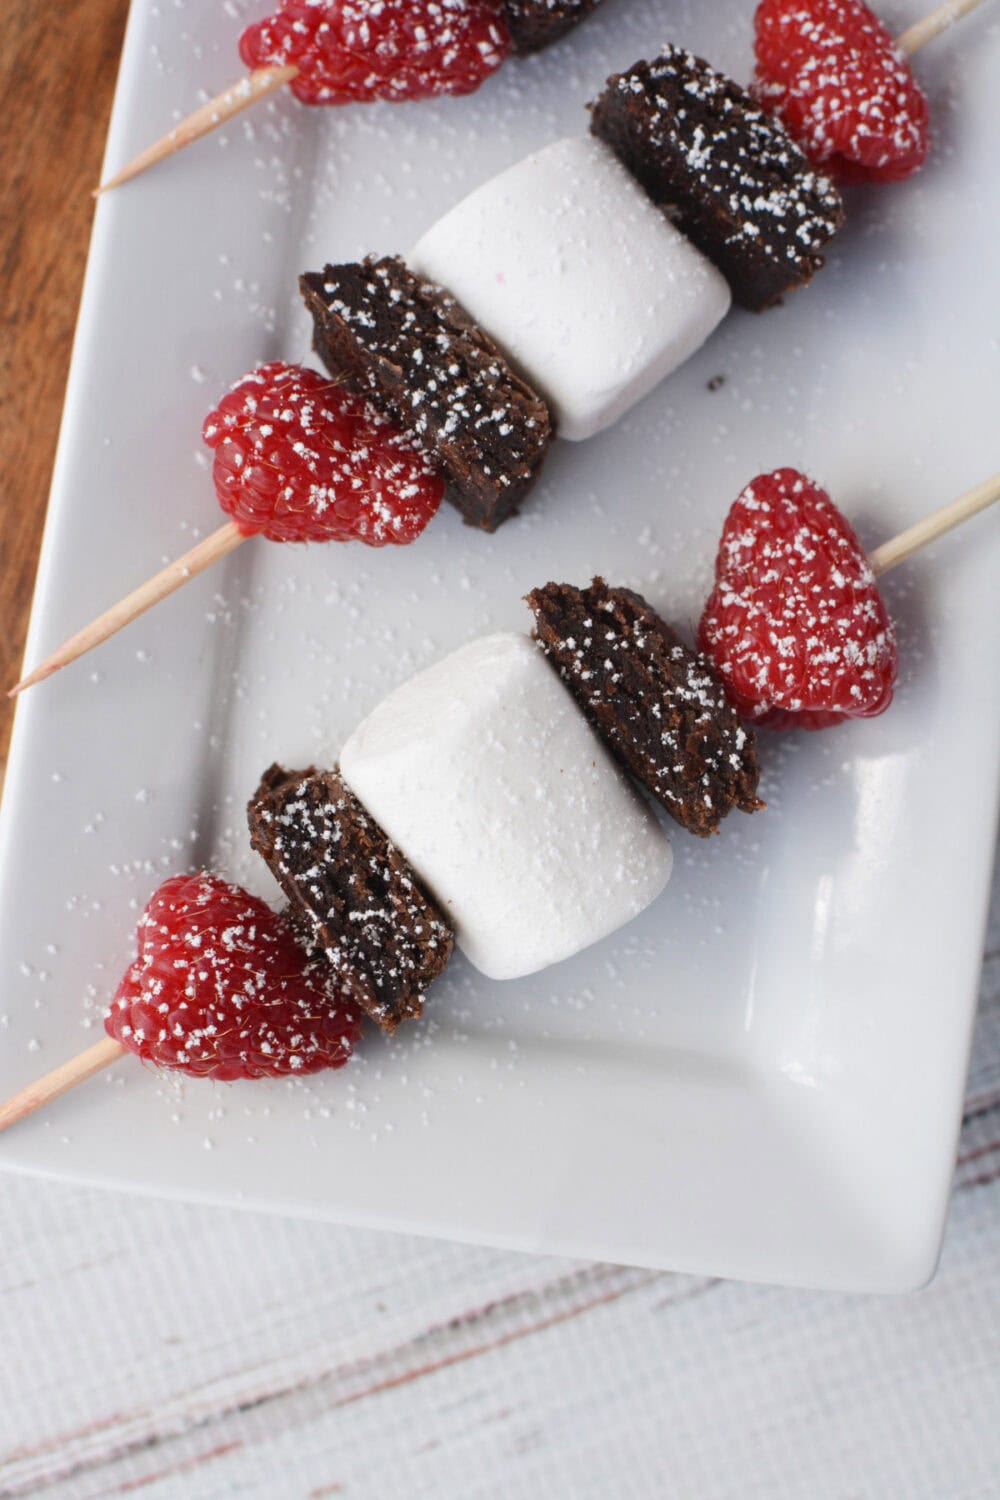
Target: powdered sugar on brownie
column 536, row 23
column 659, row 706
column 353, row 894
column 734, row 178
column 833, row 74
column 425, row 363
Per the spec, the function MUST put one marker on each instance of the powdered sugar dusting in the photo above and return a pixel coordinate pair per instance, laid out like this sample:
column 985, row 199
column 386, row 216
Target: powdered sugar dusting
column 422, row 359
column 362, row 50
column 353, row 895
column 658, row 704
column 299, row 458
column 795, row 623
column 221, row 989
column 738, row 184
column 832, row 73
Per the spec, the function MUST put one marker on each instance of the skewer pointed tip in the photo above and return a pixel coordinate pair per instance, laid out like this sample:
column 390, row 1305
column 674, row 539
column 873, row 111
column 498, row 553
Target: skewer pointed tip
column 200, row 556
column 26, row 682
column 256, row 85
column 31, row 678
column 128, row 172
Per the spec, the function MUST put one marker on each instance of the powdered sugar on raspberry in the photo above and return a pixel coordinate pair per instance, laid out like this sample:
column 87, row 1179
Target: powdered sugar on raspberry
column 832, row 73
column 221, row 989
column 362, row 50
column 795, row 625
column 299, row 458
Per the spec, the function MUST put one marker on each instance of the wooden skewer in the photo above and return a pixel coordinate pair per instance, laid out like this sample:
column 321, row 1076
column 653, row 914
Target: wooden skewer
column 922, row 32
column 936, row 524
column 889, row 555
column 229, row 536
column 65, row 1077
column 258, row 84
column 204, row 553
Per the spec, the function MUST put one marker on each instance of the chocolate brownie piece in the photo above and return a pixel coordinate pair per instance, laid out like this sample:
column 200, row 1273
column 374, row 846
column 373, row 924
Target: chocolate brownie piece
column 533, row 24
column 659, row 706
column 423, row 362
column 353, row 895
column 730, row 174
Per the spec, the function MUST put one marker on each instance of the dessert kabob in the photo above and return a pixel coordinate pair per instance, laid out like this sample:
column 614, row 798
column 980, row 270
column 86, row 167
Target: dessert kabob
column 347, row 51
column 357, row 51
column 486, row 803
column 566, row 263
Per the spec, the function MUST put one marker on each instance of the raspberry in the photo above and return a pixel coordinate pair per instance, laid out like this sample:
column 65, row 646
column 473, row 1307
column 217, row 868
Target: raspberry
column 358, row 50
column 830, row 70
column 221, row 989
column 795, row 625
column 301, row 459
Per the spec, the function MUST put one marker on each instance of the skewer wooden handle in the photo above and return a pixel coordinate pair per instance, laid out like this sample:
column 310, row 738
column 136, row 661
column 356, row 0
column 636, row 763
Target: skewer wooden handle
column 201, row 556
column 65, row 1077
column 936, row 524
column 922, row 32
column 256, row 85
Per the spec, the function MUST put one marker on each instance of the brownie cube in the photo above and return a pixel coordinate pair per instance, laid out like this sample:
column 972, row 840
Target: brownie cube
column 728, row 173
column 353, row 896
column 659, row 706
column 424, row 363
column 534, row 24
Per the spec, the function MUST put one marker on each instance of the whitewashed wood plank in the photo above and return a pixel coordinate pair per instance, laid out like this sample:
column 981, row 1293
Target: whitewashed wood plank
column 186, row 1312
column 710, row 1389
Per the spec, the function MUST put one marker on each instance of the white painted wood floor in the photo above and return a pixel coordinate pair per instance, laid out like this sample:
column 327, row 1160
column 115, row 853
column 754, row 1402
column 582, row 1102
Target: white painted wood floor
column 187, row 1353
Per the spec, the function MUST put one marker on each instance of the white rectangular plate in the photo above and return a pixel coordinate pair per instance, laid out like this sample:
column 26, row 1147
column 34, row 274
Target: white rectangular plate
column 762, row 1076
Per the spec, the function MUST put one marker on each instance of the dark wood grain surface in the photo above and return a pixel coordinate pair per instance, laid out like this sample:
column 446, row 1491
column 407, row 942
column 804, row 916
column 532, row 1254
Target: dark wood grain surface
column 57, row 74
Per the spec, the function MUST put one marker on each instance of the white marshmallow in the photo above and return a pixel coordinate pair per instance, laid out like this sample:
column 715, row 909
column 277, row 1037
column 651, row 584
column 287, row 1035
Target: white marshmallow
column 486, row 775
column 586, row 286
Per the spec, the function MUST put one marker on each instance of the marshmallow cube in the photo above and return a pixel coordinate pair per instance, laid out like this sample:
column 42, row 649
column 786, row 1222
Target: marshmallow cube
column 485, row 774
column 584, row 283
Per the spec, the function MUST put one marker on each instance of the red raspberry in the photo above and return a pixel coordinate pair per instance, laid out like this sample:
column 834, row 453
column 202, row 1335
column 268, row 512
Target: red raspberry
column 795, row 625
column 301, row 459
column 221, row 989
column 359, row 50
column 831, row 72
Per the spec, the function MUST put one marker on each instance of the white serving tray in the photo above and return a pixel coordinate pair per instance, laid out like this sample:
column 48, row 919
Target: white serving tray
column 762, row 1076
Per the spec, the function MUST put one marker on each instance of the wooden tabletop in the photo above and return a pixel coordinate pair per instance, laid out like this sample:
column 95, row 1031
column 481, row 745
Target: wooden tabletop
column 57, row 74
